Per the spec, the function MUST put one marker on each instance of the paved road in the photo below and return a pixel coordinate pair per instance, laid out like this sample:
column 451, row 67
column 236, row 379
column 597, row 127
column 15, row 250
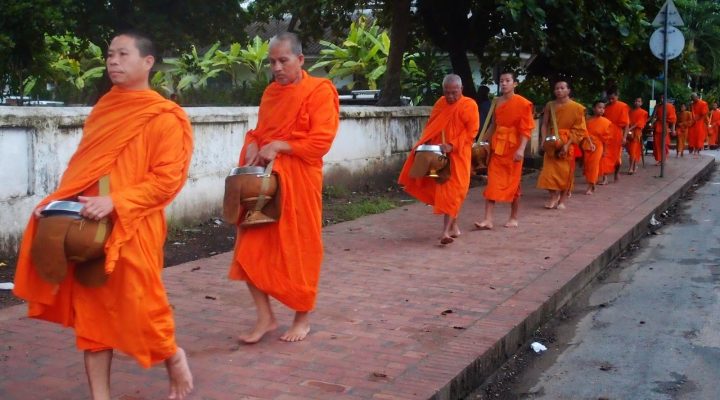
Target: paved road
column 651, row 329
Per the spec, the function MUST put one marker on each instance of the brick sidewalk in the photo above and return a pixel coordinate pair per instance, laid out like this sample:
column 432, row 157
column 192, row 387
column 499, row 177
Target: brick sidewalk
column 398, row 316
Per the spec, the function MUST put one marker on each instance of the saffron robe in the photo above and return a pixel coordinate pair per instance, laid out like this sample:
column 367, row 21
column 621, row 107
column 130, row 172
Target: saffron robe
column 283, row 259
column 619, row 114
column 513, row 120
column 658, row 127
column 684, row 123
column 557, row 172
column 697, row 132
column 714, row 128
column 600, row 133
column 144, row 142
column 638, row 119
column 460, row 121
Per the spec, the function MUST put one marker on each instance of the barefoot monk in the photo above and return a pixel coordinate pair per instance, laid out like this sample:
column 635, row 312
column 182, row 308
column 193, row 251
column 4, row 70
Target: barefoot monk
column 453, row 123
column 697, row 133
column 511, row 128
column 132, row 160
column 670, row 122
column 638, row 120
column 599, row 134
column 297, row 123
column 565, row 119
column 618, row 113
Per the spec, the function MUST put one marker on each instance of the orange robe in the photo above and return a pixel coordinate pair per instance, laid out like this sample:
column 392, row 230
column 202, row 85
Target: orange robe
column 619, row 114
column 698, row 130
column 657, row 133
column 513, row 120
column 714, row 128
column 682, row 130
column 557, row 173
column 600, row 133
column 638, row 118
column 144, row 142
column 283, row 259
column 460, row 121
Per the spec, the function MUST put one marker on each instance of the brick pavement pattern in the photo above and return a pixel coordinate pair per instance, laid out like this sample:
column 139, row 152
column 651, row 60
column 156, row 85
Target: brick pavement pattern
column 398, row 316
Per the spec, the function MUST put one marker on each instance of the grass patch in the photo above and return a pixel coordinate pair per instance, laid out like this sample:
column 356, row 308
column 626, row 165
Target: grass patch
column 335, row 192
column 351, row 211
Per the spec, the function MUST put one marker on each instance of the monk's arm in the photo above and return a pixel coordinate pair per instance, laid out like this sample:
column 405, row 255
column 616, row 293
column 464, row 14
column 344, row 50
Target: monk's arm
column 165, row 176
column 324, row 113
column 544, row 124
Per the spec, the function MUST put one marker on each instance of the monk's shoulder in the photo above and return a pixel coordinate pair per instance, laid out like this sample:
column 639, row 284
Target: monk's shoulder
column 468, row 103
column 521, row 101
column 577, row 107
column 170, row 119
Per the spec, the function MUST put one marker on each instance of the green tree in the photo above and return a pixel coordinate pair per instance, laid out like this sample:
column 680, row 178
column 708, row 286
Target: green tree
column 23, row 51
column 361, row 56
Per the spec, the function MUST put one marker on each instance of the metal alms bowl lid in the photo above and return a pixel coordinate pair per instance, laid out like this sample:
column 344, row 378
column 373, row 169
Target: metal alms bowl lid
column 63, row 207
column 550, row 138
column 435, row 148
column 254, row 170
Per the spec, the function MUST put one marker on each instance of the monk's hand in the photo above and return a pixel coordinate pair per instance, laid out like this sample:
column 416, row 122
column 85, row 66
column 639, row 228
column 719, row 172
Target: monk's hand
column 251, row 154
column 96, row 207
column 38, row 211
column 592, row 147
column 446, row 147
column 268, row 152
column 519, row 155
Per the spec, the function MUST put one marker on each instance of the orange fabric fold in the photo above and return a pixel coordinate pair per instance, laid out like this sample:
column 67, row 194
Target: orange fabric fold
column 460, row 121
column 684, row 122
column 283, row 259
column 714, row 127
column 638, row 119
column 557, row 172
column 513, row 120
column 698, row 130
column 600, row 133
column 144, row 142
column 619, row 114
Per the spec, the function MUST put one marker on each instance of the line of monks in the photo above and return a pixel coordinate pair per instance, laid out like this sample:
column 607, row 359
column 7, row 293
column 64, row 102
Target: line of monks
column 565, row 134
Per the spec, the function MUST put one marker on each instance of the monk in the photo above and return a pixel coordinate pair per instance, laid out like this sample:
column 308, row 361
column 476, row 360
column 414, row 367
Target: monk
column 511, row 129
column 684, row 122
column 457, row 117
column 658, row 128
column 713, row 126
column 557, row 173
column 599, row 133
column 697, row 133
column 618, row 113
column 297, row 123
column 638, row 120
column 143, row 142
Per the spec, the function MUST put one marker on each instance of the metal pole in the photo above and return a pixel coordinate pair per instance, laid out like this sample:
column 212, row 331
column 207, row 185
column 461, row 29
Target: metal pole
column 665, row 95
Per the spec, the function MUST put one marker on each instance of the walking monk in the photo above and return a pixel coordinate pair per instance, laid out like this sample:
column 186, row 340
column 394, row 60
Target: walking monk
column 638, row 120
column 297, row 123
column 684, row 122
column 511, row 128
column 457, row 117
column 618, row 113
column 698, row 130
column 568, row 118
column 143, row 142
column 658, row 128
column 599, row 133
column 714, row 126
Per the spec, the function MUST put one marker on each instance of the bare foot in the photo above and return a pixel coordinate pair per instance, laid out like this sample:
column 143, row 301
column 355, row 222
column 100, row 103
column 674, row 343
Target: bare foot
column 299, row 329
column 455, row 231
column 181, row 380
column 589, row 192
column 561, row 206
column 603, row 181
column 484, row 226
column 260, row 329
column 513, row 223
column 446, row 240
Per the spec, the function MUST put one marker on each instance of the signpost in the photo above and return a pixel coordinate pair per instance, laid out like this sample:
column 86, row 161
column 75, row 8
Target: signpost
column 666, row 43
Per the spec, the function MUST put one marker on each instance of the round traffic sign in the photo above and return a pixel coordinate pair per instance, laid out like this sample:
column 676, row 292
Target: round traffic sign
column 675, row 43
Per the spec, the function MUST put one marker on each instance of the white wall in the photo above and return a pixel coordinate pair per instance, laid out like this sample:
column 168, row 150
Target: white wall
column 37, row 142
